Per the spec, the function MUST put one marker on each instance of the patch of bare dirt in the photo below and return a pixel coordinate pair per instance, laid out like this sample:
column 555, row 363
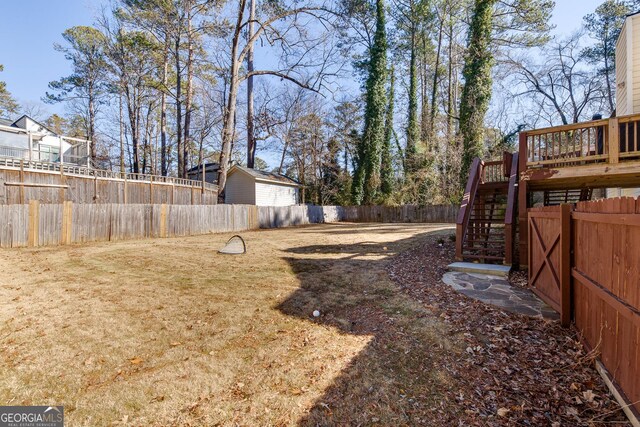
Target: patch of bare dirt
column 511, row 369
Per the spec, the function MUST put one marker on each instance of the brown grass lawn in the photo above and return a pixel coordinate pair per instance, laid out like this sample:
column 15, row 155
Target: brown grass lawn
column 169, row 332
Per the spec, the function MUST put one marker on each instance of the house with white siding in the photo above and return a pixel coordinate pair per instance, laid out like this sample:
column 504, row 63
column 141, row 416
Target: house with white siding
column 627, row 84
column 253, row 187
column 27, row 139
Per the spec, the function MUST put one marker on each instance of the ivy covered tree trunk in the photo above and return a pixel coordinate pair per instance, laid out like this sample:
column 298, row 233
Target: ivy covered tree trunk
column 413, row 130
column 476, row 93
column 366, row 182
column 386, row 169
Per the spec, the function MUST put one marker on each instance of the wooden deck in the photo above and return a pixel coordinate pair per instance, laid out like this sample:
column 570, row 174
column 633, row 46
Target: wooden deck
column 595, row 154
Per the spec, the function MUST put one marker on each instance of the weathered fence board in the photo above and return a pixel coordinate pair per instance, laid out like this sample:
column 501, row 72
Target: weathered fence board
column 40, row 224
column 51, row 187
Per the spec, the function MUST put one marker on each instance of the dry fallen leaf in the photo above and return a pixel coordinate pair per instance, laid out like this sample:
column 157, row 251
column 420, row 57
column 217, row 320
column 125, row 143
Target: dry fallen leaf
column 502, row 412
column 571, row 411
column 175, row 343
column 588, row 396
column 136, row 361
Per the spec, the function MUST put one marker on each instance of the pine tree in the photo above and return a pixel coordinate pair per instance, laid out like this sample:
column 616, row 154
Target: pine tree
column 386, row 169
column 86, row 51
column 366, row 182
column 476, row 93
column 8, row 105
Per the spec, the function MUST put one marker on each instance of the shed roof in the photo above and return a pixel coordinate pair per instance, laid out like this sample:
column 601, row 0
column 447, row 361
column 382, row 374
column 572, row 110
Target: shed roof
column 259, row 175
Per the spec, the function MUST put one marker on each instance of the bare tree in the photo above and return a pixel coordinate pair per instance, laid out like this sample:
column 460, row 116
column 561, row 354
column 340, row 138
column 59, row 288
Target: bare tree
column 563, row 87
column 305, row 59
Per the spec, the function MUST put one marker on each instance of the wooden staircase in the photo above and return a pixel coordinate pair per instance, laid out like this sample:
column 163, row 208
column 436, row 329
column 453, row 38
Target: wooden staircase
column 486, row 220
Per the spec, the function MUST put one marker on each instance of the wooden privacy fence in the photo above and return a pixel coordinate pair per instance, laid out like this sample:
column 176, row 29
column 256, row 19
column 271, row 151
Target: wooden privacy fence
column 404, row 213
column 592, row 254
column 39, row 224
column 21, row 182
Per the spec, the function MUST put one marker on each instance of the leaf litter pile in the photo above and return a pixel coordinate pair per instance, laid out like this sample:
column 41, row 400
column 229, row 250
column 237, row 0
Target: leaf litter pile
column 510, row 369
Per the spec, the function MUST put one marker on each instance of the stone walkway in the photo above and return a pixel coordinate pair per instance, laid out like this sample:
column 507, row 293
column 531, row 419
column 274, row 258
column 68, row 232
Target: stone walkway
column 499, row 292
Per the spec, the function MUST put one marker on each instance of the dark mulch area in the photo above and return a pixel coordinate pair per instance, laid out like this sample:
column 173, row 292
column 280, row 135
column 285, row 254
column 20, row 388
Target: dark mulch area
column 513, row 370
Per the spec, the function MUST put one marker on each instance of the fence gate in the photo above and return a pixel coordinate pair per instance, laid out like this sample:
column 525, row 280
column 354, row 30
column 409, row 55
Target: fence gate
column 549, row 256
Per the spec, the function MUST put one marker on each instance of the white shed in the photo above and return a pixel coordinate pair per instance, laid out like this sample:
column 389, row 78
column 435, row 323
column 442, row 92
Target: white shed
column 254, row 187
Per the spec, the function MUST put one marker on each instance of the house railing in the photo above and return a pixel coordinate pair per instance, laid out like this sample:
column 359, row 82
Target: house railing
column 597, row 141
column 43, row 153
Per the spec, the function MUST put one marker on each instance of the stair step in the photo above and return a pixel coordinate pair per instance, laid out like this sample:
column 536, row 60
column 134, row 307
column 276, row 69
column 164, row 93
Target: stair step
column 493, row 257
column 490, row 218
column 471, row 267
column 483, row 242
column 474, row 250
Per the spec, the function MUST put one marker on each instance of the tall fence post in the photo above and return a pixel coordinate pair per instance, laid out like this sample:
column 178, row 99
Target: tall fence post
column 21, row 182
column 34, row 222
column 67, row 221
column 163, row 220
column 565, row 264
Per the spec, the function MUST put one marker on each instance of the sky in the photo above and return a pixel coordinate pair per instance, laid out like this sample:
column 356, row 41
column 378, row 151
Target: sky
column 31, row 27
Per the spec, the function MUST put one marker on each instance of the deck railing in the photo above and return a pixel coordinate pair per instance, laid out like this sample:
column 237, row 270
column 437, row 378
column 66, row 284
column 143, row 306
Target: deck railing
column 597, row 141
column 493, row 171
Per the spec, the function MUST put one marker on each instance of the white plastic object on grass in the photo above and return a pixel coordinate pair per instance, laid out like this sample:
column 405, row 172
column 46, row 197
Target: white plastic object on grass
column 316, row 313
column 235, row 246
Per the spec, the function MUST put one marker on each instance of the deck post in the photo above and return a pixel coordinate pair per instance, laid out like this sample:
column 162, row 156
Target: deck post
column 61, row 156
column 30, row 147
column 522, row 201
column 614, row 140
column 88, row 154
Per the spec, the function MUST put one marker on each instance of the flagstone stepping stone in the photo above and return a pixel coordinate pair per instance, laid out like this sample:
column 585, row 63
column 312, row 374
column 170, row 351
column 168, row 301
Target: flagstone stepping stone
column 498, row 292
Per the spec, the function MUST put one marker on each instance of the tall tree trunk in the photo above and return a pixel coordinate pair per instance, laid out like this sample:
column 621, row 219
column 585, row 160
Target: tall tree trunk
column 608, row 80
column 434, row 93
column 284, row 154
column 412, row 126
column 178, row 106
column 476, row 93
column 229, row 115
column 189, row 95
column 451, row 83
column 134, row 121
column 122, row 166
column 386, row 169
column 424, row 89
column 164, row 170
column 251, row 137
column 366, row 181
column 92, row 126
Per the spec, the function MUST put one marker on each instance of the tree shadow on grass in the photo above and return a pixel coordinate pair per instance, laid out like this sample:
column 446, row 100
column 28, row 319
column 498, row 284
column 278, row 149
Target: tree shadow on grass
column 396, row 379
